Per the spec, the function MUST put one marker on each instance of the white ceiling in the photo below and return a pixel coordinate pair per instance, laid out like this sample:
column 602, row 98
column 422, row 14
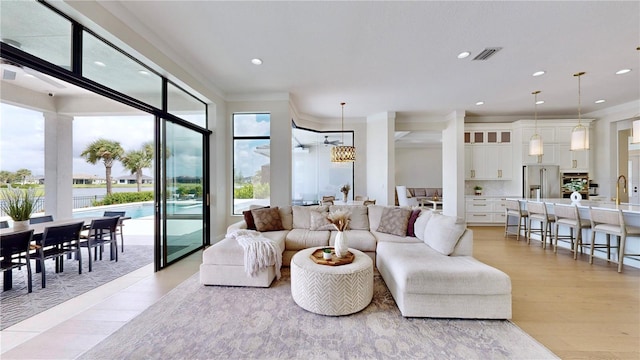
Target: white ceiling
column 401, row 56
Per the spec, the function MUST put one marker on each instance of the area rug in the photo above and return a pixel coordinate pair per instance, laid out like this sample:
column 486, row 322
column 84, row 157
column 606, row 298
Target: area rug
column 217, row 322
column 17, row 304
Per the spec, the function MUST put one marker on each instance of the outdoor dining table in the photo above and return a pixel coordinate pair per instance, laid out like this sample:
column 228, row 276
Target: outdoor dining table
column 38, row 231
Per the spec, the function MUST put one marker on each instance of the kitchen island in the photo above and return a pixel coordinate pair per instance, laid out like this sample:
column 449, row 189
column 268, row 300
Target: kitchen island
column 631, row 215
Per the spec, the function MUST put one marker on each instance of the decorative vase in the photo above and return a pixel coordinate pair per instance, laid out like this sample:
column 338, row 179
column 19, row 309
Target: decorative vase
column 344, row 197
column 21, row 225
column 576, row 196
column 341, row 245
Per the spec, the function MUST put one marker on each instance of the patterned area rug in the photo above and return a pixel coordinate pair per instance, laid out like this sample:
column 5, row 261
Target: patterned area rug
column 219, row 322
column 17, row 304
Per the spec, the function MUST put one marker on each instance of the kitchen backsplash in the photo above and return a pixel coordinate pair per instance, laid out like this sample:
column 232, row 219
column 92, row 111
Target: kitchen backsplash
column 488, row 187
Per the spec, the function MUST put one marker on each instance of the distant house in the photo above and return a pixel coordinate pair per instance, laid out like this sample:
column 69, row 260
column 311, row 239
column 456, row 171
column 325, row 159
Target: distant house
column 131, row 179
column 85, row 179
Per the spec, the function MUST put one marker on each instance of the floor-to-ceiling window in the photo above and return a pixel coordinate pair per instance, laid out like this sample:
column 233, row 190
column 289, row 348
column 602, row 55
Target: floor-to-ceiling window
column 41, row 42
column 251, row 161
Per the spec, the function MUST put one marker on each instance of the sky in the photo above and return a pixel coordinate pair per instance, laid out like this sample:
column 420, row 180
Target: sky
column 22, row 139
column 22, row 142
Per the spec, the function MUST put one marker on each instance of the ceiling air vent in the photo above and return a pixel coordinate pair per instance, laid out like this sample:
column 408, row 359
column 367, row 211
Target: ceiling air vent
column 487, row 53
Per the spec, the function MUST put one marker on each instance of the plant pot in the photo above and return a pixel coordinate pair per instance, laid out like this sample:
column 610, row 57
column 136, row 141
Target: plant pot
column 478, row 192
column 326, row 255
column 21, row 225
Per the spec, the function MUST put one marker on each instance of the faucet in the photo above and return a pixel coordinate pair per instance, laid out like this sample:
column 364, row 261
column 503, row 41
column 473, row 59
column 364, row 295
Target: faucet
column 618, row 188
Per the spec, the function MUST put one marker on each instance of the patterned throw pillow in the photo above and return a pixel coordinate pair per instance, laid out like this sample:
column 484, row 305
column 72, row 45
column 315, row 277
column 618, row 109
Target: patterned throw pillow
column 248, row 217
column 412, row 220
column 319, row 221
column 394, row 221
column 267, row 219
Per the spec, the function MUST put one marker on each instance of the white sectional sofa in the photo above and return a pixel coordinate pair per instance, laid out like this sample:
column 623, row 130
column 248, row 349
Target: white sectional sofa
column 429, row 274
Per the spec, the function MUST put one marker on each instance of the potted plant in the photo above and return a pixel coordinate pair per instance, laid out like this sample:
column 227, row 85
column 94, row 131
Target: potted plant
column 478, row 189
column 326, row 253
column 345, row 191
column 19, row 205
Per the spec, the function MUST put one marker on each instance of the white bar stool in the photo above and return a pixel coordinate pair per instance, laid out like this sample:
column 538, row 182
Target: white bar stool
column 568, row 215
column 611, row 222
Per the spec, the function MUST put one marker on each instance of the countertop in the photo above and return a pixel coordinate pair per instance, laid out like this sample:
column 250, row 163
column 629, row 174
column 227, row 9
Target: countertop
column 626, row 207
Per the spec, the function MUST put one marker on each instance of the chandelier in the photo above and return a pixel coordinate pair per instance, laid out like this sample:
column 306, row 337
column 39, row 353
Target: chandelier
column 579, row 134
column 535, row 143
column 342, row 153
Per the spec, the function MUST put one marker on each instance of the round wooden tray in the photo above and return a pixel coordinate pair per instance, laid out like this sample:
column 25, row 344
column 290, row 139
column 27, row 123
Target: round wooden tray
column 316, row 256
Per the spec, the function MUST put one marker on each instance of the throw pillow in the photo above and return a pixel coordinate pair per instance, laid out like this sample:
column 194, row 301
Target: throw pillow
column 248, row 218
column 267, row 219
column 394, row 221
column 421, row 223
column 443, row 232
column 319, row 221
column 412, row 220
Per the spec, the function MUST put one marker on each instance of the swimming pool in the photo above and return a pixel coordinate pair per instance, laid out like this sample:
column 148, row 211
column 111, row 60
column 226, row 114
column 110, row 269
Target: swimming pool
column 141, row 210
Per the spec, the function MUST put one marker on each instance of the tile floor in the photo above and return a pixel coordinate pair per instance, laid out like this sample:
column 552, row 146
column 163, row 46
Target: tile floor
column 73, row 327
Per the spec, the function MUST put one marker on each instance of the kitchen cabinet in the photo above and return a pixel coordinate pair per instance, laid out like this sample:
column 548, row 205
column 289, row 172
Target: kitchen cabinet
column 485, row 210
column 548, row 157
column 572, row 160
column 487, row 137
column 488, row 162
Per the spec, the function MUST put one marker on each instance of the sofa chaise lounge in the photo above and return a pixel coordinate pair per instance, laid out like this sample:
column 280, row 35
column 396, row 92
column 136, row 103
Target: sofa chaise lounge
column 426, row 260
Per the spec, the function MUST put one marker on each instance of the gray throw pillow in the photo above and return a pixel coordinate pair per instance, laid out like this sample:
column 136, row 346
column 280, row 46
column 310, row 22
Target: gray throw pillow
column 394, row 221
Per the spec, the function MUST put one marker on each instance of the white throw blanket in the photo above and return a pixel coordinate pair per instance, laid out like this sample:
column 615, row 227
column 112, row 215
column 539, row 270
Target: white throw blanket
column 259, row 252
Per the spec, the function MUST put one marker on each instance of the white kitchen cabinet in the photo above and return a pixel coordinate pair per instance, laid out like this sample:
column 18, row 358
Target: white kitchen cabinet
column 487, row 137
column 572, row 160
column 548, row 157
column 484, row 210
column 488, row 162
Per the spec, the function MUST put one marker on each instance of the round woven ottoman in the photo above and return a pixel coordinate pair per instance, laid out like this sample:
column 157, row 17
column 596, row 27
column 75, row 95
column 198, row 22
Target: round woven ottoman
column 331, row 290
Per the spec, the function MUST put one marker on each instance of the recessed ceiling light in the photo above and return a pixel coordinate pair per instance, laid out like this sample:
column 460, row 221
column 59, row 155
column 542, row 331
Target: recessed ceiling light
column 463, row 54
column 256, row 61
column 480, row 103
column 600, row 101
column 623, row 71
column 100, row 63
column 539, row 73
column 143, row 72
column 539, row 102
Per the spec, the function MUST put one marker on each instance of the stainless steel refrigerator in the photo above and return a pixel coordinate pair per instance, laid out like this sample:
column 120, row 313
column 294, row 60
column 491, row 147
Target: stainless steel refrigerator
column 541, row 180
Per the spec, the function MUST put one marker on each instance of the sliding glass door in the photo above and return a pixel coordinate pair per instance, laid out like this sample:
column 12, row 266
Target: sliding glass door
column 184, row 196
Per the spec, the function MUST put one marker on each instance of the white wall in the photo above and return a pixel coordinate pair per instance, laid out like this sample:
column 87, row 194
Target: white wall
column 604, row 146
column 419, row 166
column 381, row 150
column 453, row 165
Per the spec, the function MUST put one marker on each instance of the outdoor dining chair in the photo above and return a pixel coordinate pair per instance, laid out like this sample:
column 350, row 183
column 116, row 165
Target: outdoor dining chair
column 101, row 232
column 14, row 252
column 120, row 225
column 41, row 219
column 56, row 242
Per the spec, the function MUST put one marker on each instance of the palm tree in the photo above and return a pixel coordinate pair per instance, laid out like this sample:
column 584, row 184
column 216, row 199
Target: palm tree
column 106, row 150
column 136, row 160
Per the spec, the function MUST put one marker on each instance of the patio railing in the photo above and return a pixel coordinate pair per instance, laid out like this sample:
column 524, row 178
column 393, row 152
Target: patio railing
column 78, row 202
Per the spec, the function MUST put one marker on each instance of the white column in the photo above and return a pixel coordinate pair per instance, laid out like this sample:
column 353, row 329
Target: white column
column 453, row 165
column 58, row 165
column 381, row 158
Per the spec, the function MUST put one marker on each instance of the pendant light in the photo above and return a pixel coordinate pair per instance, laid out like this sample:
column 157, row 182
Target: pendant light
column 580, row 133
column 535, row 143
column 342, row 153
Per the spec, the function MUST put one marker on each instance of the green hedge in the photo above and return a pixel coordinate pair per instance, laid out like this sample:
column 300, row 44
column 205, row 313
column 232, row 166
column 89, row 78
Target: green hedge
column 125, row 197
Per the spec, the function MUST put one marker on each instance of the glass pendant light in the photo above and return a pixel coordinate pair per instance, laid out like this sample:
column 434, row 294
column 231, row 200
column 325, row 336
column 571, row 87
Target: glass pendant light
column 342, row 153
column 580, row 133
column 535, row 143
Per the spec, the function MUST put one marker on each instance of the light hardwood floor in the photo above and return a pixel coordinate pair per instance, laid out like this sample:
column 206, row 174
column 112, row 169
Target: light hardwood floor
column 577, row 310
